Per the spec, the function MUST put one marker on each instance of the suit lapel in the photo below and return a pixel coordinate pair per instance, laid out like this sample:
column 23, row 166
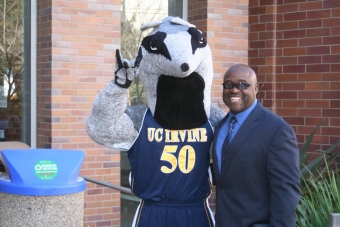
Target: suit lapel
column 240, row 138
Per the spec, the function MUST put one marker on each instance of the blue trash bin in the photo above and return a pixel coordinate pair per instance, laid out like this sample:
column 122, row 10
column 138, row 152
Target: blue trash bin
column 41, row 187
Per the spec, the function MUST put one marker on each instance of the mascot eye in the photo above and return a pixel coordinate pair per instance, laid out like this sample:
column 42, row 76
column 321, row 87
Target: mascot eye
column 155, row 44
column 152, row 47
column 197, row 39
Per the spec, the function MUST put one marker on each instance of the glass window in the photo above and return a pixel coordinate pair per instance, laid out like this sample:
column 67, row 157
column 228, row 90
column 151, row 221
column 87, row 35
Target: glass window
column 135, row 13
column 14, row 79
column 176, row 8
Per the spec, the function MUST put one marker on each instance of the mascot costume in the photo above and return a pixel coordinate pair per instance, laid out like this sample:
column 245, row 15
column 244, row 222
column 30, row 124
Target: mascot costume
column 168, row 141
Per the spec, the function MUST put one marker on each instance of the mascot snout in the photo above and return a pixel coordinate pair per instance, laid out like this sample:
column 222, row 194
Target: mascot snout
column 185, row 67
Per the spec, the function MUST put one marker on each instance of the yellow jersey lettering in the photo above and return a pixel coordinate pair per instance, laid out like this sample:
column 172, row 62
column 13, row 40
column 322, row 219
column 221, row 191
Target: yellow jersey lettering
column 151, row 134
column 167, row 136
column 186, row 159
column 159, row 135
column 204, row 137
column 168, row 156
column 182, row 134
column 196, row 134
column 174, row 136
column 190, row 136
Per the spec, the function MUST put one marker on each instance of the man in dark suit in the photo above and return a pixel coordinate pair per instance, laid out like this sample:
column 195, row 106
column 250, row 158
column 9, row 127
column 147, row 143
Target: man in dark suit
column 256, row 165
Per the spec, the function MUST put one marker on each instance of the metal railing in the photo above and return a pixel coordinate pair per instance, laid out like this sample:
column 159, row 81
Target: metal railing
column 103, row 183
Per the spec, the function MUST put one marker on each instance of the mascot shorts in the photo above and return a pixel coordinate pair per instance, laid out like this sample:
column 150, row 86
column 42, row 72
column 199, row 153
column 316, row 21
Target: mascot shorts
column 173, row 214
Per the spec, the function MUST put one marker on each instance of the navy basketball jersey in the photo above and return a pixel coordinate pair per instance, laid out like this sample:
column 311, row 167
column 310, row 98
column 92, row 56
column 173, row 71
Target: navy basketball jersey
column 170, row 165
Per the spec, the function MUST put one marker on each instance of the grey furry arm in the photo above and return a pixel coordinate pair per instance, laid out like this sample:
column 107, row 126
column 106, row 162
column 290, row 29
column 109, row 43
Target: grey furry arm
column 216, row 114
column 108, row 124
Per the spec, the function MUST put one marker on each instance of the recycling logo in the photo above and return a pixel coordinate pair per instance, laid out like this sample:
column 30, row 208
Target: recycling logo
column 46, row 169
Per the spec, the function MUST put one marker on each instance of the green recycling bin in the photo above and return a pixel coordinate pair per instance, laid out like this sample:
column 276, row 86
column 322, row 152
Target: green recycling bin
column 41, row 187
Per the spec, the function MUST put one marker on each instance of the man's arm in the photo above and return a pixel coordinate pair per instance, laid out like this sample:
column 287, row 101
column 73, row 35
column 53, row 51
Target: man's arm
column 284, row 177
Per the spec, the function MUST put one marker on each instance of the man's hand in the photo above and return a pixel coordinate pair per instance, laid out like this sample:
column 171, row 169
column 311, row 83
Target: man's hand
column 126, row 70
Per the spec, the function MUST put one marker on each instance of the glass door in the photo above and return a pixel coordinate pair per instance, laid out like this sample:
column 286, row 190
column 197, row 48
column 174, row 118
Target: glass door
column 15, row 71
column 136, row 13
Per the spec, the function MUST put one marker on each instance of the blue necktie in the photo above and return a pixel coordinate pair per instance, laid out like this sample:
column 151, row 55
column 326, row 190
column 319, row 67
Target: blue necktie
column 227, row 138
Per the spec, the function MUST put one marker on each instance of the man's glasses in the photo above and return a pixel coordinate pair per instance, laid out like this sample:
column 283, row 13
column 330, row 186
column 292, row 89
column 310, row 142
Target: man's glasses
column 240, row 86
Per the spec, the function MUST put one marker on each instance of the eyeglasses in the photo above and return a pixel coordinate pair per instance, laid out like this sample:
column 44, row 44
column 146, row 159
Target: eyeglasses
column 240, row 86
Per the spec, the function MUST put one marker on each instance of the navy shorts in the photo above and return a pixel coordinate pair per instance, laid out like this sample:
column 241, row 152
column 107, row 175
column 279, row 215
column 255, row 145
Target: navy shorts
column 173, row 214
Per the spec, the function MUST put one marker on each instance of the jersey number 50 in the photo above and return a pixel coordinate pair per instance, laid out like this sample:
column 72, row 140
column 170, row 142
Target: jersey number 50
column 186, row 158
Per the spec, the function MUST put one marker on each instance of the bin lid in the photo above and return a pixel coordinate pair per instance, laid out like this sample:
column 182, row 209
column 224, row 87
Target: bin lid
column 42, row 172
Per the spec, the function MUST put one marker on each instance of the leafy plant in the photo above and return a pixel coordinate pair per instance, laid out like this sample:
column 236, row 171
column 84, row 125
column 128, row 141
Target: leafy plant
column 321, row 162
column 320, row 185
column 320, row 198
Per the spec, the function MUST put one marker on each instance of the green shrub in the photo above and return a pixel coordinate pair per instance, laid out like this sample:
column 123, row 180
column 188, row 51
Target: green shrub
column 320, row 185
column 318, row 164
column 319, row 199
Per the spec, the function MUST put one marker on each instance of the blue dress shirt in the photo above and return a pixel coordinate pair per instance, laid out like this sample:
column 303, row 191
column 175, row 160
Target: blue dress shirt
column 240, row 117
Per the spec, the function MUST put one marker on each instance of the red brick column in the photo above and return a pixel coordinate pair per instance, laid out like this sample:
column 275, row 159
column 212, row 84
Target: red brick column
column 225, row 24
column 75, row 48
column 295, row 49
column 262, row 49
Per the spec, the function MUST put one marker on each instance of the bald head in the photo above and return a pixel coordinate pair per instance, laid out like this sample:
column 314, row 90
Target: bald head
column 238, row 99
column 248, row 73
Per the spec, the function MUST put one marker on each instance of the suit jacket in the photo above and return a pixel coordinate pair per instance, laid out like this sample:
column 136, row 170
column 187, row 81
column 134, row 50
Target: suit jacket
column 260, row 177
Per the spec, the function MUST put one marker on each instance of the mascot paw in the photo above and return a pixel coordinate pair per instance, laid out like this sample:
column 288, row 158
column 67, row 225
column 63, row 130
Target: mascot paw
column 126, row 70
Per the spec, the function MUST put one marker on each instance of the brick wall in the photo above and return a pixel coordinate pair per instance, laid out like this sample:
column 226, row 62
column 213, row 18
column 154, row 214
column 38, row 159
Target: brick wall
column 75, row 48
column 295, row 49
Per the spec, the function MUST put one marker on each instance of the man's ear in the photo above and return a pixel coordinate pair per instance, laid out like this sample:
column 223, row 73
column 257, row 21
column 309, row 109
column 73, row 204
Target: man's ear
column 256, row 88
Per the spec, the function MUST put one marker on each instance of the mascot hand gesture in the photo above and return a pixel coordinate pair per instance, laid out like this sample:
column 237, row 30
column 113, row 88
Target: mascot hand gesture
column 126, row 70
column 167, row 141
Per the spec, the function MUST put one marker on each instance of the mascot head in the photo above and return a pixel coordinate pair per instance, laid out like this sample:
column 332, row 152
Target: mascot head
column 176, row 71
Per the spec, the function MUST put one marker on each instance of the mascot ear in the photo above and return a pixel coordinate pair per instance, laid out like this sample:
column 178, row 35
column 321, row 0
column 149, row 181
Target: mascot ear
column 179, row 21
column 151, row 24
column 174, row 20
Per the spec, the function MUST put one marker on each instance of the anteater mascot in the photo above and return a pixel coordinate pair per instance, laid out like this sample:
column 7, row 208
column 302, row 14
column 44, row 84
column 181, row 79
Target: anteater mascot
column 167, row 141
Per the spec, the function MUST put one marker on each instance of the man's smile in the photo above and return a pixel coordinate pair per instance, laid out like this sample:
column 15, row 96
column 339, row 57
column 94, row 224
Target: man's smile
column 235, row 99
